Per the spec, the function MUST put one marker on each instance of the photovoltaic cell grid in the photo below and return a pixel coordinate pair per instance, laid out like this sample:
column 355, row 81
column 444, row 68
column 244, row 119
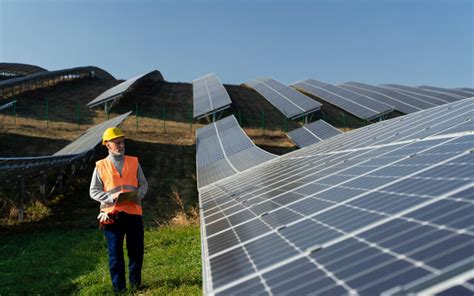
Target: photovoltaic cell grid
column 406, row 103
column 393, row 100
column 436, row 98
column 461, row 94
column 288, row 101
column 313, row 133
column 92, row 137
column 75, row 150
column 7, row 105
column 359, row 105
column 19, row 69
column 46, row 74
column 118, row 90
column 209, row 96
column 364, row 212
column 468, row 90
column 223, row 149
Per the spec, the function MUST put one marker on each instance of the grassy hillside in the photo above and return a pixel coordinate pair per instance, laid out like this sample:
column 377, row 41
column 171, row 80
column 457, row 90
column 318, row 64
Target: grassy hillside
column 59, row 247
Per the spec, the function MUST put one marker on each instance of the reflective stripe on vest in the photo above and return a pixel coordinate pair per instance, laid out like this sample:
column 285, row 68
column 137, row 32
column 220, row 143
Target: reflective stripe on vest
column 114, row 183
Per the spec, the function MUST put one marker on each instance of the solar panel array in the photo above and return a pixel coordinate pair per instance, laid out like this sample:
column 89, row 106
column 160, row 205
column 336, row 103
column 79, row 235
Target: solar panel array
column 313, row 133
column 209, row 96
column 399, row 102
column 436, row 98
column 365, row 212
column 47, row 74
column 12, row 166
column 18, row 85
column 17, row 69
column 459, row 93
column 7, row 105
column 118, row 90
column 402, row 97
column 434, row 284
column 92, row 137
column 223, row 149
column 351, row 102
column 288, row 101
column 468, row 90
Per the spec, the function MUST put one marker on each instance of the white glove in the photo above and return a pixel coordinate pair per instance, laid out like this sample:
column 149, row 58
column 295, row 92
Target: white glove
column 103, row 217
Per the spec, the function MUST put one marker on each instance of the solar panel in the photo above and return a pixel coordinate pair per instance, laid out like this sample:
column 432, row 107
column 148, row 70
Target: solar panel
column 401, row 97
column 356, row 104
column 118, row 90
column 92, row 137
column 313, row 133
column 15, row 86
column 466, row 89
column 46, row 74
column 457, row 279
column 223, row 149
column 7, row 105
column 418, row 93
column 361, row 213
column 16, row 69
column 397, row 103
column 209, row 96
column 446, row 97
column 458, row 93
column 288, row 101
column 79, row 148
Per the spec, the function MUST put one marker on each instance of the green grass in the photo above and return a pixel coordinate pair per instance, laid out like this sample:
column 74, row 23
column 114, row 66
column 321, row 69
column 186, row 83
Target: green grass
column 75, row 262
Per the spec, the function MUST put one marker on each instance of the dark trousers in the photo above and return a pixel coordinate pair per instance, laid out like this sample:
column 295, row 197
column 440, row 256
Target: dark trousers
column 130, row 227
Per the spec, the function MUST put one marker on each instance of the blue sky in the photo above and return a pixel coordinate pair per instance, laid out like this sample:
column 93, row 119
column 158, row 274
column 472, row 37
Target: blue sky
column 410, row 42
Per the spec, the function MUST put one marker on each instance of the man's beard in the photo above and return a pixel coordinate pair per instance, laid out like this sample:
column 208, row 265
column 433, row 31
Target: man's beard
column 118, row 153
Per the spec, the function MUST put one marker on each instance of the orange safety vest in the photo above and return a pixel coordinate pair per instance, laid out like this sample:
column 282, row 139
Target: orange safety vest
column 114, row 183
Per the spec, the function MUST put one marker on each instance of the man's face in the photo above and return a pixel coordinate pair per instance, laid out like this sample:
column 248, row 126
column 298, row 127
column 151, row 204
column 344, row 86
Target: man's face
column 116, row 146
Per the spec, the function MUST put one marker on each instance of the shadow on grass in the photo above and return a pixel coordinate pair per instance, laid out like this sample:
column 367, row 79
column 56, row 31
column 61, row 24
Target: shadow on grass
column 14, row 145
column 64, row 102
column 46, row 262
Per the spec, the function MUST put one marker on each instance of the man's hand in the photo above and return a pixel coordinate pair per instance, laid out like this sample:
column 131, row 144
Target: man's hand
column 103, row 217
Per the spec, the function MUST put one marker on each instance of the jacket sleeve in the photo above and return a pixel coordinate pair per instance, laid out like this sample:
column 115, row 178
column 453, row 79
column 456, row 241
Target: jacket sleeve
column 142, row 183
column 96, row 190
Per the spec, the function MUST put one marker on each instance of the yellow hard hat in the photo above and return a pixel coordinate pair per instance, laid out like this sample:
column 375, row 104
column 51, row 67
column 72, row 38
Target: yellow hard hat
column 111, row 133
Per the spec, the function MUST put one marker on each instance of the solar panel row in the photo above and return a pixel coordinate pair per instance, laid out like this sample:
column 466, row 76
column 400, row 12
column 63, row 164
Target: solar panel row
column 209, row 96
column 16, row 69
column 468, row 90
column 313, row 133
column 118, row 90
column 397, row 103
column 435, row 98
column 92, row 137
column 402, row 102
column 7, row 105
column 359, row 105
column 13, row 166
column 288, row 101
column 363, row 212
column 46, row 74
column 461, row 94
column 223, row 149
column 18, row 85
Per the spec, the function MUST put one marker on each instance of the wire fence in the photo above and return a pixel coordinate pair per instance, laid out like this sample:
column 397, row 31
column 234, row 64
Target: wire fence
column 46, row 114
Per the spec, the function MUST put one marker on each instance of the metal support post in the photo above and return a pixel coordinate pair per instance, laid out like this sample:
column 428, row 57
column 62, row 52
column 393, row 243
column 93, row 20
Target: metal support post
column 21, row 205
column 136, row 116
column 47, row 112
column 164, row 120
column 43, row 185
column 60, row 183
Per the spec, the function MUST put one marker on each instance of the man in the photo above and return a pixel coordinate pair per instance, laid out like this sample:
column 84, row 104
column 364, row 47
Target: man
column 113, row 176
